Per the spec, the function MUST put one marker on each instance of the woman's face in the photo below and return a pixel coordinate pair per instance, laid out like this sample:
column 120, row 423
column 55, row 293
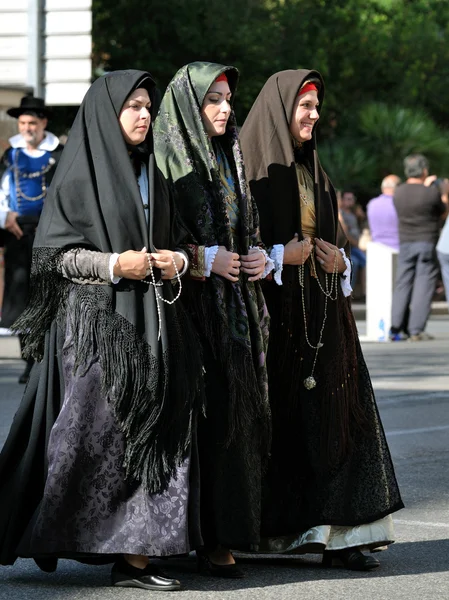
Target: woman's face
column 304, row 116
column 216, row 108
column 135, row 118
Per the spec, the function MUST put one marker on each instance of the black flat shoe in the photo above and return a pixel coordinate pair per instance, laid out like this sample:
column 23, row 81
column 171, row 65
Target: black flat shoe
column 350, row 558
column 204, row 563
column 46, row 564
column 151, row 578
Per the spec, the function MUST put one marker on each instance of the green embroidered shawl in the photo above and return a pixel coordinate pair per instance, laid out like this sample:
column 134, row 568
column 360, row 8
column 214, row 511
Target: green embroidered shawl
column 231, row 316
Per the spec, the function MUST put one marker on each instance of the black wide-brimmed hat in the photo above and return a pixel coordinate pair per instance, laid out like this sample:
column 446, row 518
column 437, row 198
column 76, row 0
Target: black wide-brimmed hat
column 32, row 104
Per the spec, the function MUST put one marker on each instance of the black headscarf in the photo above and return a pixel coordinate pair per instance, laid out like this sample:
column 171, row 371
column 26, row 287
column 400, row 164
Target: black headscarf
column 94, row 202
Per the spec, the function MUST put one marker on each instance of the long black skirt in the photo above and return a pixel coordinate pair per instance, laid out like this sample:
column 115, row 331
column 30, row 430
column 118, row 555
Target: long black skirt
column 303, row 487
column 230, row 473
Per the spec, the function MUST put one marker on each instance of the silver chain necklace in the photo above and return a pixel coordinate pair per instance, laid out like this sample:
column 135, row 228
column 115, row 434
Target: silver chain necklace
column 330, row 293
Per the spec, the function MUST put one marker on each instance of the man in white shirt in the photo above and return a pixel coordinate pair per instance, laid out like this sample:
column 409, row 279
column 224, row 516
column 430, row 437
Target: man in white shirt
column 29, row 165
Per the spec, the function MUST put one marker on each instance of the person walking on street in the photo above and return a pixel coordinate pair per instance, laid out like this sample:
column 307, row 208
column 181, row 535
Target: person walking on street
column 198, row 150
column 29, row 164
column 330, row 485
column 419, row 208
column 96, row 466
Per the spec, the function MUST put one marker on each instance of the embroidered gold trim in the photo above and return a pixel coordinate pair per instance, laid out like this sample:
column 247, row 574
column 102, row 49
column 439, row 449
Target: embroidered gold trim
column 198, row 264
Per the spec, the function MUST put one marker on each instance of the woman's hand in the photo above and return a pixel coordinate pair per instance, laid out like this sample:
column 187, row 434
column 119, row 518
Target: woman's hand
column 296, row 253
column 326, row 253
column 253, row 264
column 226, row 264
column 132, row 264
column 163, row 259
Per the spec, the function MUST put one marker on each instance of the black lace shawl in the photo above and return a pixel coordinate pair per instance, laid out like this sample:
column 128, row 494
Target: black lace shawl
column 94, row 202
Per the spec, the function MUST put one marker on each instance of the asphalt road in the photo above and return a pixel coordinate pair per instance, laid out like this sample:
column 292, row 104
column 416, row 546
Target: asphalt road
column 412, row 387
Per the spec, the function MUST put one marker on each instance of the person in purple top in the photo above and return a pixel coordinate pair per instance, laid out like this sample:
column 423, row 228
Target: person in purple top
column 382, row 216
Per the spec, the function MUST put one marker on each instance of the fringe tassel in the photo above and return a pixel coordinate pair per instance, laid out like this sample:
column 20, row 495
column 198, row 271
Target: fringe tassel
column 154, row 400
column 48, row 292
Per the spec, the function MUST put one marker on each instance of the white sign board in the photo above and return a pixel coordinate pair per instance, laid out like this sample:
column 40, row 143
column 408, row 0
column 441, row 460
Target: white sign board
column 381, row 263
column 46, row 45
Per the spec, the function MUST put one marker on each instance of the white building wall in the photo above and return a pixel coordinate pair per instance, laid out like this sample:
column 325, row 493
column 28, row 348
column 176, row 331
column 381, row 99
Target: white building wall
column 46, row 45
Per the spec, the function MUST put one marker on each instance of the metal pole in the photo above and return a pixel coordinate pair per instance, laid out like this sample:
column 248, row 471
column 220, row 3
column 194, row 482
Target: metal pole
column 36, row 46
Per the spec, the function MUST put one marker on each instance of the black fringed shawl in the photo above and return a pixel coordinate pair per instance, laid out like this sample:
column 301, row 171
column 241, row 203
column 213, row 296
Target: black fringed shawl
column 95, row 203
column 270, row 160
column 232, row 316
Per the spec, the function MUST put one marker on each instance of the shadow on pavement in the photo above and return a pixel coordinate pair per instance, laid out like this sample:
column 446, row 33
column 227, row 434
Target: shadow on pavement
column 408, row 558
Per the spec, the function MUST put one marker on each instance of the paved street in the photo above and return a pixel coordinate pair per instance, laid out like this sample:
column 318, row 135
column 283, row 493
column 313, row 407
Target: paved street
column 411, row 381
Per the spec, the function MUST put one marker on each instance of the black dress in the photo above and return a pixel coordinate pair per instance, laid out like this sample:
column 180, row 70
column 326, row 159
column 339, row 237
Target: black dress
column 105, row 426
column 331, row 482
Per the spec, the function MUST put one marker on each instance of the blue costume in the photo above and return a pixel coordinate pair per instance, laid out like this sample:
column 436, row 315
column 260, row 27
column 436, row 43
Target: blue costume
column 27, row 181
column 23, row 188
column 26, row 173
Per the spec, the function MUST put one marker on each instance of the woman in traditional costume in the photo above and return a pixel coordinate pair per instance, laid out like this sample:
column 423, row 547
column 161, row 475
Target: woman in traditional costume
column 330, row 486
column 107, row 416
column 197, row 149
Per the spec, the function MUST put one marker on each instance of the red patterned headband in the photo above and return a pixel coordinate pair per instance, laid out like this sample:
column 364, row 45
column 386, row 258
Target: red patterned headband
column 221, row 77
column 308, row 87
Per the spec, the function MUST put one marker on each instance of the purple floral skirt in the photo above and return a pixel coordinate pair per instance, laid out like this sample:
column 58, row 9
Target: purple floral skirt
column 87, row 506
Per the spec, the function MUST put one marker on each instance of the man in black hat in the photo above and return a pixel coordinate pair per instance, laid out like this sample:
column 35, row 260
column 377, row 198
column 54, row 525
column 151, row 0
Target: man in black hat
column 29, row 165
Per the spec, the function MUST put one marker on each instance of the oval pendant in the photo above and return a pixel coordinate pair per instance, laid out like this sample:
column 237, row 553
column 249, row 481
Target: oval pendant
column 310, row 383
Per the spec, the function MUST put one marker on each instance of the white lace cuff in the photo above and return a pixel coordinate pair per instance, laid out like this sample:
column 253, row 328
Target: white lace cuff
column 269, row 263
column 112, row 262
column 345, row 280
column 209, row 257
column 277, row 256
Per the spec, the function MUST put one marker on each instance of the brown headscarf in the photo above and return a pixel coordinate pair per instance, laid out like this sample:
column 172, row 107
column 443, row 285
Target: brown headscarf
column 267, row 147
column 270, row 155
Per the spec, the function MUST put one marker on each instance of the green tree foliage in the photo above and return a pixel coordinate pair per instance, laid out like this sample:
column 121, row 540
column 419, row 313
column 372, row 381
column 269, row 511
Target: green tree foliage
column 349, row 164
column 392, row 132
column 394, row 51
column 163, row 35
column 387, row 52
column 376, row 144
